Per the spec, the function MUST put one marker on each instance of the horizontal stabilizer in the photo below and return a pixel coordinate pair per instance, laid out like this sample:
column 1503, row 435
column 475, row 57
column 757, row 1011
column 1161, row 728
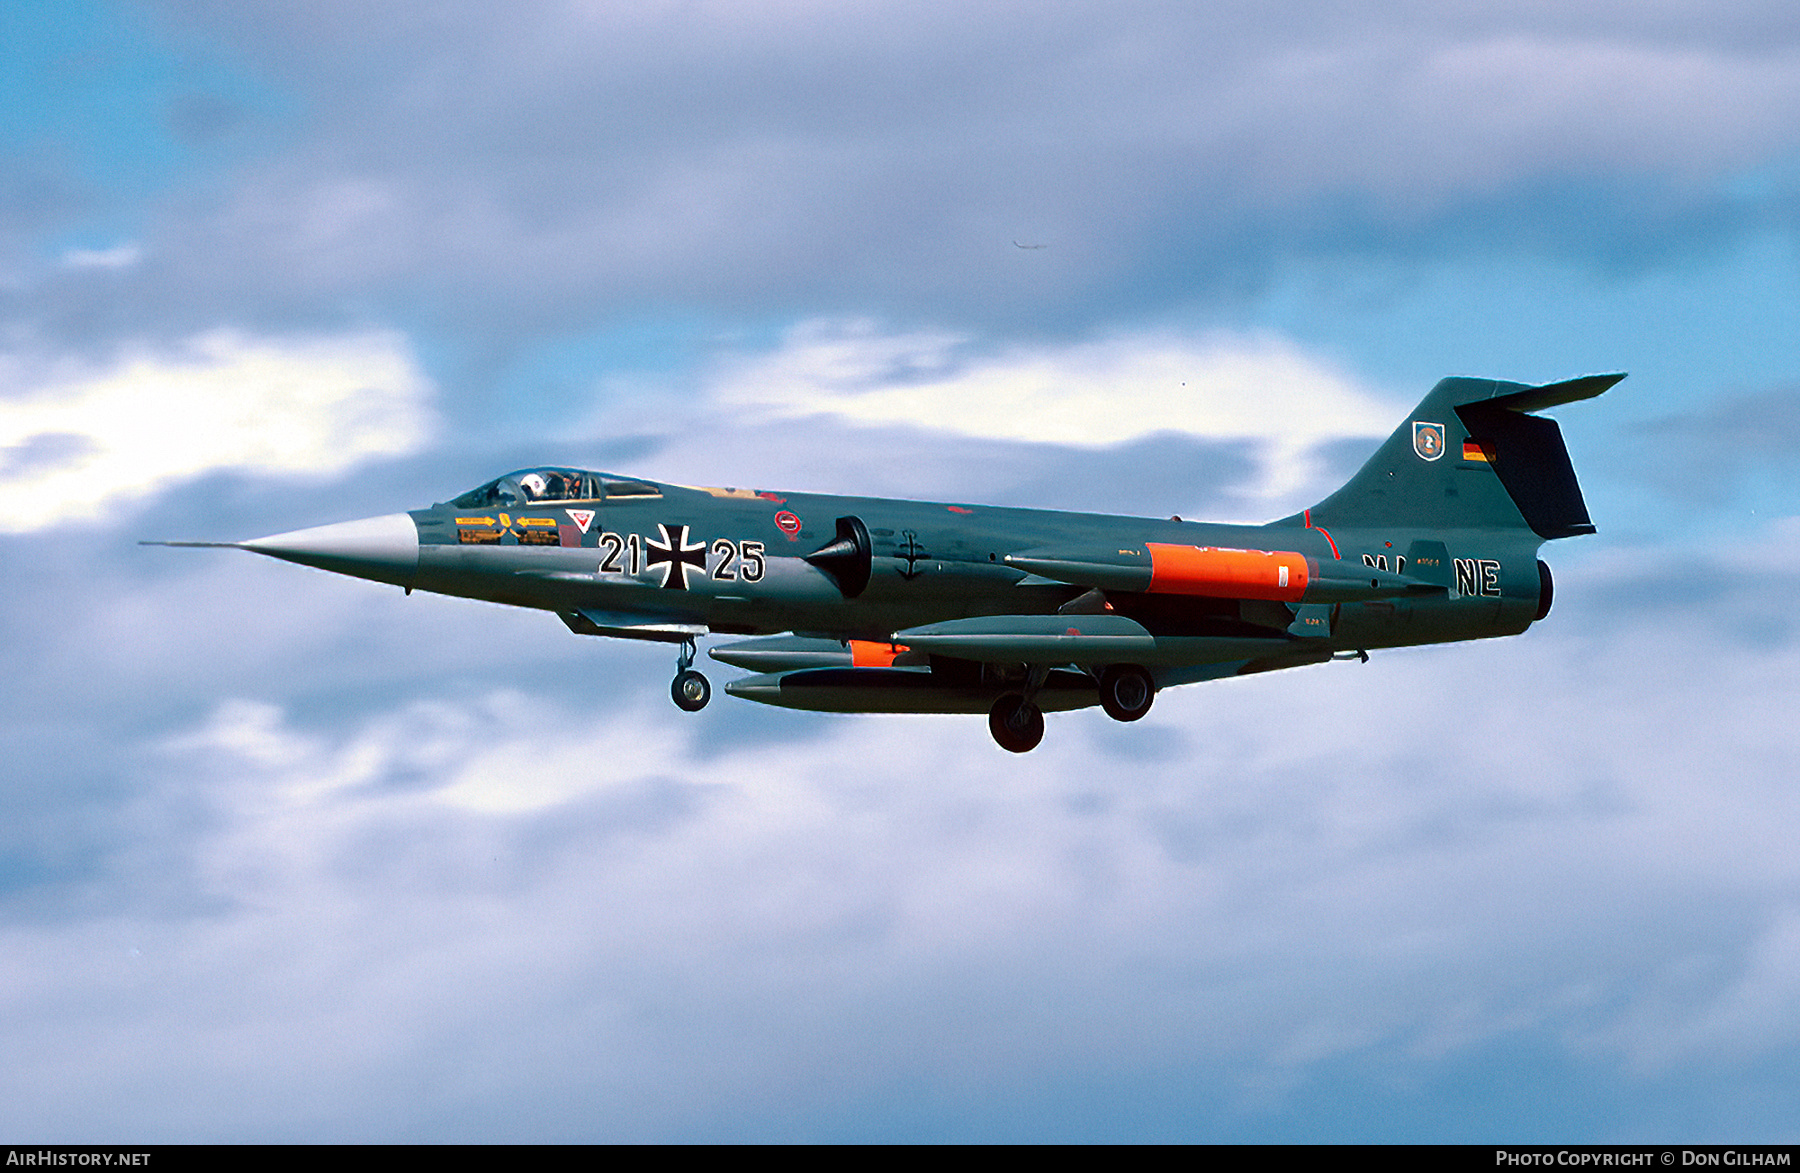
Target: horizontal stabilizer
column 1554, row 394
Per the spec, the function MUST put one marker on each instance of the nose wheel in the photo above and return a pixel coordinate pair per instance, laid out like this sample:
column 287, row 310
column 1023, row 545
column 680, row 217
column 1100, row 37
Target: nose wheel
column 690, row 690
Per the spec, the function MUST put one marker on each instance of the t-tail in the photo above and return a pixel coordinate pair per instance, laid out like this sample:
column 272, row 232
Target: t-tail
column 1471, row 456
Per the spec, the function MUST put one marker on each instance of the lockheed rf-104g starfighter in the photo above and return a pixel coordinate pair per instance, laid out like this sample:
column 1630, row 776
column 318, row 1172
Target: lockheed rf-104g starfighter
column 871, row 605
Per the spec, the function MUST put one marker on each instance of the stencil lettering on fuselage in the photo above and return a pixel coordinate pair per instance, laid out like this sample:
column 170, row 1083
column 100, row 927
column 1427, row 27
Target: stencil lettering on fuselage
column 1380, row 562
column 1478, row 577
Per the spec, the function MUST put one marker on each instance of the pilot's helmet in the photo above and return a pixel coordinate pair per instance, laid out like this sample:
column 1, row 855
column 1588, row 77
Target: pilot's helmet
column 533, row 484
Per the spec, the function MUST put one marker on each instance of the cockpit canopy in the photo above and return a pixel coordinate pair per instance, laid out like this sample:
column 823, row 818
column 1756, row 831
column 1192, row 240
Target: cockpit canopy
column 529, row 486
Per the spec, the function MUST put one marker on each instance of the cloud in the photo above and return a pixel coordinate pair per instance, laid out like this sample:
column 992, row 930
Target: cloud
column 120, row 256
column 537, row 172
column 1420, row 118
column 1087, row 394
column 929, row 390
column 80, row 444
column 600, row 918
column 371, row 866
column 1703, row 455
column 416, row 868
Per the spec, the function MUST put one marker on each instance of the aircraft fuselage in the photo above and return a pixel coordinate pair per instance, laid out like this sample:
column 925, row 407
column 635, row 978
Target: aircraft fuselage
column 735, row 562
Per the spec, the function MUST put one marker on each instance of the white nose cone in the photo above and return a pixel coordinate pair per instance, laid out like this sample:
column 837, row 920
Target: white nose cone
column 384, row 548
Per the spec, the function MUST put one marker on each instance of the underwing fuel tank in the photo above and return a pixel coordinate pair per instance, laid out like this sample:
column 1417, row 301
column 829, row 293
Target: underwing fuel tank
column 1035, row 639
column 1089, row 640
column 901, row 690
column 792, row 653
column 1160, row 568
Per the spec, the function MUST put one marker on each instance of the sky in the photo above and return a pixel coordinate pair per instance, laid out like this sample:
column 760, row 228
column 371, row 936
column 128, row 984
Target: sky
column 292, row 857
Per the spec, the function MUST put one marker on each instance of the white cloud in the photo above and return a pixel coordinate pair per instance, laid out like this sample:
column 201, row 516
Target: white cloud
column 1088, row 394
column 76, row 445
column 1221, row 386
column 120, row 256
column 518, row 893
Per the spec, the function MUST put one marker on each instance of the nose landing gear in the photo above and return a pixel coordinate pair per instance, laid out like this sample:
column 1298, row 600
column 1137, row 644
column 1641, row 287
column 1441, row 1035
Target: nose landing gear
column 690, row 690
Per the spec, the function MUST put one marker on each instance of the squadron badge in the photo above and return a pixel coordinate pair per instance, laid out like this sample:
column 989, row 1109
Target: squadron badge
column 1428, row 440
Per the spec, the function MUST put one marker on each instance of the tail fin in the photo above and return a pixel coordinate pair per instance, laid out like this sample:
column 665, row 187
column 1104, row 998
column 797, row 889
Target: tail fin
column 1471, row 455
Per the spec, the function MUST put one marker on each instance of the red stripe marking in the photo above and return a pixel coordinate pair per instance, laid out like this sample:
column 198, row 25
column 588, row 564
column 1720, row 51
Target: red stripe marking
column 1309, row 525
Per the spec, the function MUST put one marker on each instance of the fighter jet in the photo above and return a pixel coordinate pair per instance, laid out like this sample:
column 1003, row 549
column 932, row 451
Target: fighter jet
column 868, row 605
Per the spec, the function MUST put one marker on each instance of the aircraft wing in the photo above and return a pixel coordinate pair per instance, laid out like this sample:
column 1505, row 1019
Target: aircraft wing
column 631, row 625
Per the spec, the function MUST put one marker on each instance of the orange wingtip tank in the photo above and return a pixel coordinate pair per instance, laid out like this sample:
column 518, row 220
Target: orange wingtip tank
column 1228, row 574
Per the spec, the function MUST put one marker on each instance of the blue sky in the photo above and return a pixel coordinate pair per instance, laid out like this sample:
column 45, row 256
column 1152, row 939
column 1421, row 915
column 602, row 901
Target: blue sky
column 285, row 856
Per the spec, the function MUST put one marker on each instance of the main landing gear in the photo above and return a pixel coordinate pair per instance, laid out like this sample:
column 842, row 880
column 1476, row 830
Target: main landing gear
column 690, row 690
column 1015, row 720
column 1016, row 723
column 1126, row 691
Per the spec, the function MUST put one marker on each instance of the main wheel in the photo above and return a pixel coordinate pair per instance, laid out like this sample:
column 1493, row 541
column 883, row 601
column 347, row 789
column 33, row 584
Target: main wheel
column 1126, row 691
column 691, row 691
column 1016, row 723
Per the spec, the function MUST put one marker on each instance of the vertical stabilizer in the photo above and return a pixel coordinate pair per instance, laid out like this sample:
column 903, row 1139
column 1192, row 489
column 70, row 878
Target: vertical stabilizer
column 1472, row 455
